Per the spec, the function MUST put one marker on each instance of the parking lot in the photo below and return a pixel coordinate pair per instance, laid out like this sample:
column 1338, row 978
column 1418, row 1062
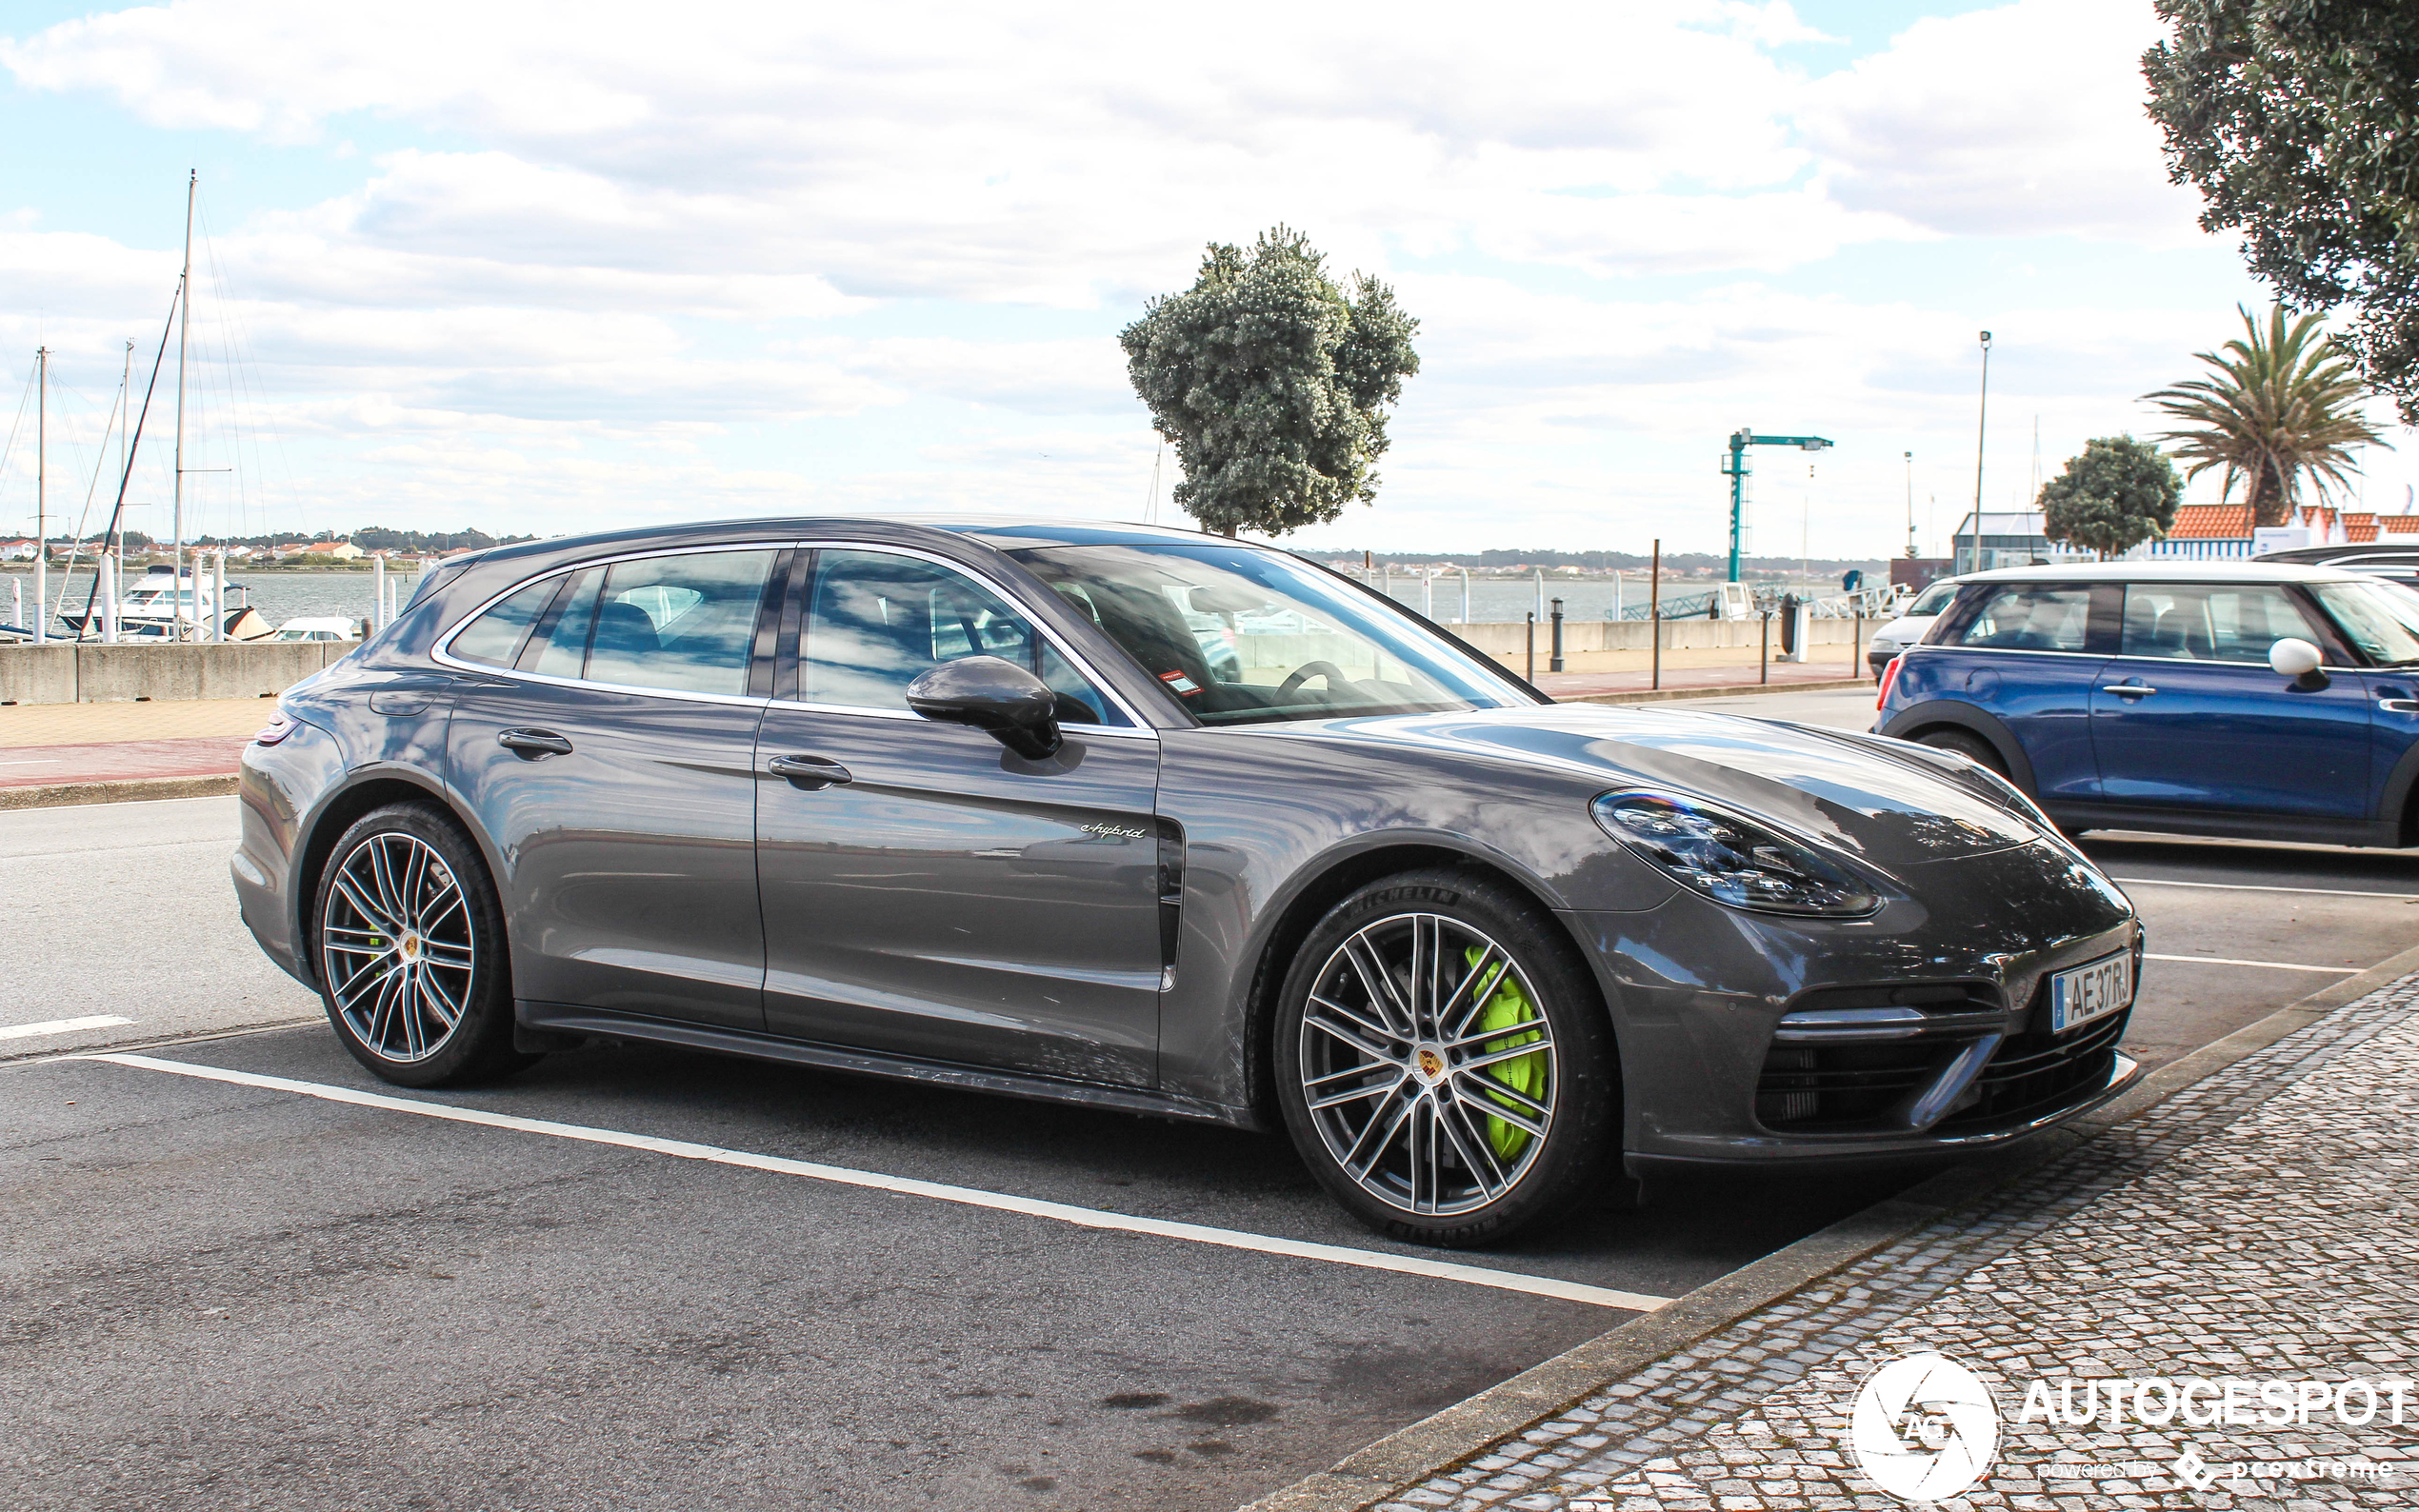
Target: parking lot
column 251, row 1274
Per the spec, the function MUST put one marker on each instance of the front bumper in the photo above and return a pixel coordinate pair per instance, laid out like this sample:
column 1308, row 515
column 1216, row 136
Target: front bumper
column 1699, row 993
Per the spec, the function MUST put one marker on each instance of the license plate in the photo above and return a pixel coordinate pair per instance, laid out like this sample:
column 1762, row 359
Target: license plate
column 2092, row 991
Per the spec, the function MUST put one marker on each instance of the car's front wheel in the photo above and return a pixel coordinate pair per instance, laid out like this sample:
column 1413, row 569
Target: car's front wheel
column 409, row 941
column 1444, row 1061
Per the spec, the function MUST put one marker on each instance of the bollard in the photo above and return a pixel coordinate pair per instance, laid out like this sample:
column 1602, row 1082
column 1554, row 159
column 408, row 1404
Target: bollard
column 1856, row 646
column 1654, row 611
column 1763, row 657
column 1555, row 665
column 1531, row 673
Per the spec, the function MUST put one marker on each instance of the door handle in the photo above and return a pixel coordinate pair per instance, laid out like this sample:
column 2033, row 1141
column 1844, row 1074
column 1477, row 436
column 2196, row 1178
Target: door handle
column 2399, row 705
column 533, row 745
column 809, row 772
column 2127, row 689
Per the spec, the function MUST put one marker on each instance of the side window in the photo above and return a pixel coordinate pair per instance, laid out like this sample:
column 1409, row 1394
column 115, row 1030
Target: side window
column 2211, row 622
column 685, row 624
column 495, row 638
column 875, row 621
column 2029, row 617
column 558, row 648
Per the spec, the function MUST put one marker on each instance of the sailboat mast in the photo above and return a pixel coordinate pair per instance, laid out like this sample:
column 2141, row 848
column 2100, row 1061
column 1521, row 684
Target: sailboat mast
column 41, row 493
column 184, row 321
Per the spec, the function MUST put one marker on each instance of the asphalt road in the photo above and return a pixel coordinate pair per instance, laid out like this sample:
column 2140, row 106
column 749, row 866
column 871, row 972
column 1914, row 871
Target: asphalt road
column 231, row 1295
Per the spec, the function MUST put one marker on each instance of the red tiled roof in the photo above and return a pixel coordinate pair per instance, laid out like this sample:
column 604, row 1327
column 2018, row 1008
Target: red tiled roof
column 2361, row 532
column 2399, row 523
column 2212, row 522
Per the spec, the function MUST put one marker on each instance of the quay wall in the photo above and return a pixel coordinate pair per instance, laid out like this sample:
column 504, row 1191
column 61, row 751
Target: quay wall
column 92, row 673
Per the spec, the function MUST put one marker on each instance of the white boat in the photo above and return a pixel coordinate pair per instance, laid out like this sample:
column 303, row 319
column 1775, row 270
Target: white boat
column 165, row 604
column 320, row 628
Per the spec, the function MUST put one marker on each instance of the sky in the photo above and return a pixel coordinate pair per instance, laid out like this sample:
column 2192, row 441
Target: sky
column 552, row 267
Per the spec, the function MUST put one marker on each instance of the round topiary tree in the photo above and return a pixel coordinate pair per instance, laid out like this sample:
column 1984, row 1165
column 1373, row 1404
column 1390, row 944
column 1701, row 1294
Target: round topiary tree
column 2118, row 494
column 1270, row 381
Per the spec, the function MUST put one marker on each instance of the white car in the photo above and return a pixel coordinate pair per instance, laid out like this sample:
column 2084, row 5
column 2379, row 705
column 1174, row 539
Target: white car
column 1911, row 624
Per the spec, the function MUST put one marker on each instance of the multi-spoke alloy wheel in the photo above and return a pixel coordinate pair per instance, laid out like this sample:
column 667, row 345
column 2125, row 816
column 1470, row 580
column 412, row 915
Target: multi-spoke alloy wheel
column 1427, row 1064
column 397, row 948
column 411, row 952
column 1444, row 1061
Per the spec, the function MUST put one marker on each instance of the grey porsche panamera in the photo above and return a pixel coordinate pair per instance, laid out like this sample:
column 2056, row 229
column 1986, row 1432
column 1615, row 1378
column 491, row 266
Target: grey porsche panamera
column 1170, row 825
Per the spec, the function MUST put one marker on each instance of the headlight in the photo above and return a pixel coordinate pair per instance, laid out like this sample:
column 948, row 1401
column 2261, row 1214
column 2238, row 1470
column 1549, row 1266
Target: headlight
column 1730, row 860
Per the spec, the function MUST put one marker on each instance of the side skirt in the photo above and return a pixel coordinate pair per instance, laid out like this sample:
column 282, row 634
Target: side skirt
column 553, row 1026
column 2073, row 817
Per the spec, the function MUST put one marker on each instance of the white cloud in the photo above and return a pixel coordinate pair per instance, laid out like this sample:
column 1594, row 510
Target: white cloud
column 738, row 256
column 2016, row 121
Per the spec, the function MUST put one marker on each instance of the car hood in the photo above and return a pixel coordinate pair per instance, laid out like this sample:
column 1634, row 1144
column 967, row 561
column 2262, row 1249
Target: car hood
column 1853, row 792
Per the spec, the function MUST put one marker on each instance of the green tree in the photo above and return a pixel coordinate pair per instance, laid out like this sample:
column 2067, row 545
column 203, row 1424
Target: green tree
column 2118, row 494
column 2279, row 405
column 2298, row 120
column 1270, row 381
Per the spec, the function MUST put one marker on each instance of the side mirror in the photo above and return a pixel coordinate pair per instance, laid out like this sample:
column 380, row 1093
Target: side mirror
column 2297, row 659
column 999, row 697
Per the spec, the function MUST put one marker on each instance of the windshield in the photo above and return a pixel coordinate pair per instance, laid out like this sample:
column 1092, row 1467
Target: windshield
column 1933, row 600
column 2381, row 618
column 1249, row 637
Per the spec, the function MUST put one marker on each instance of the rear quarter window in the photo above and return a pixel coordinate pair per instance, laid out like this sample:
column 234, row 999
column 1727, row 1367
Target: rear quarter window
column 2021, row 617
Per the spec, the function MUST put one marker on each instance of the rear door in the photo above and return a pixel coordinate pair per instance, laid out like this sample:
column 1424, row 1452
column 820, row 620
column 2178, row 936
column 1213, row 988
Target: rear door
column 925, row 891
column 2028, row 654
column 609, row 755
column 2190, row 717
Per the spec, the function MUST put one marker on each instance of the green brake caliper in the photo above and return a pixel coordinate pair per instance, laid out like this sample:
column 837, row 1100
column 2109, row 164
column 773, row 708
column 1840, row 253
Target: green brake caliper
column 1508, row 1009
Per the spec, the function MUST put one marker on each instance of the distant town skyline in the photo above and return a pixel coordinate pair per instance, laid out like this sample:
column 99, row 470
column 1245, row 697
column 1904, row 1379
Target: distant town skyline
column 730, row 263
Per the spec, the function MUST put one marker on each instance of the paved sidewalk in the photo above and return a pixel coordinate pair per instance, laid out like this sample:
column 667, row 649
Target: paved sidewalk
column 148, row 720
column 121, row 761
column 2262, row 1223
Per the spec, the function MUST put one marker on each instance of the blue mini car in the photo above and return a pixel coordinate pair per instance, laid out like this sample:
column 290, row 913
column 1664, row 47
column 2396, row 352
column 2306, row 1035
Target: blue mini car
column 2249, row 698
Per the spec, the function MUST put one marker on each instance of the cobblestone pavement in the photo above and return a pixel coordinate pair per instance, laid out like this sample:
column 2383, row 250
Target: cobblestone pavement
column 2258, row 1224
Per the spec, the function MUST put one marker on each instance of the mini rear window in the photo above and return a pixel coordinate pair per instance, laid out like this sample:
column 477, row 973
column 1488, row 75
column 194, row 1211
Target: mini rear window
column 2027, row 617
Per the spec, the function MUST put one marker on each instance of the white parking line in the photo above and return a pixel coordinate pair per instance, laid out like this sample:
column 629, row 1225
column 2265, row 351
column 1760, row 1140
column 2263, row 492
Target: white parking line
column 1000, row 1202
column 20, row 1031
column 2244, row 886
column 2272, row 966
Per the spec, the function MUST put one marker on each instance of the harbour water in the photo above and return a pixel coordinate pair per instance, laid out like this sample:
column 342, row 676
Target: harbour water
column 279, row 596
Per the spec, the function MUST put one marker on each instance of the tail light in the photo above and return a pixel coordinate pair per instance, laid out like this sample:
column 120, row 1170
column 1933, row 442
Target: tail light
column 278, row 727
column 1890, row 676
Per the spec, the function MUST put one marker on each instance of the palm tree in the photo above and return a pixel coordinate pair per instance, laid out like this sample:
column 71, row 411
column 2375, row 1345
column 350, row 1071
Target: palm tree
column 2279, row 406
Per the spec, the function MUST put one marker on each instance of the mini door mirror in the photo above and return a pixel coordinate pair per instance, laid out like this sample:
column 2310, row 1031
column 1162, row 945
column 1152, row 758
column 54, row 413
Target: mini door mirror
column 999, row 697
column 2297, row 659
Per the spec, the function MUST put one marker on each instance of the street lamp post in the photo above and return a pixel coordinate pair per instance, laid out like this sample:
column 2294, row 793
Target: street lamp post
column 1911, row 552
column 1982, row 420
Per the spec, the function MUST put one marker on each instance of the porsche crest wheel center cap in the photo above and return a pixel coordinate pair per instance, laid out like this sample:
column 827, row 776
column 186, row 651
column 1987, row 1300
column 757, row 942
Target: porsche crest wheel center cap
column 1429, row 1065
column 410, row 946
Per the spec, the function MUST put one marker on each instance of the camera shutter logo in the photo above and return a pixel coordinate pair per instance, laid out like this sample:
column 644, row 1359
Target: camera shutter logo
column 1924, row 1428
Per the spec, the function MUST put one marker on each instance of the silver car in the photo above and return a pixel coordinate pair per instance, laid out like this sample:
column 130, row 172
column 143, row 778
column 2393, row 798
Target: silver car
column 976, row 803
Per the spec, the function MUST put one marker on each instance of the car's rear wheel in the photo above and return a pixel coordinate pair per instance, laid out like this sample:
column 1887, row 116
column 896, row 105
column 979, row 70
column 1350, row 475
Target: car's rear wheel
column 1444, row 1061
column 410, row 944
column 1966, row 744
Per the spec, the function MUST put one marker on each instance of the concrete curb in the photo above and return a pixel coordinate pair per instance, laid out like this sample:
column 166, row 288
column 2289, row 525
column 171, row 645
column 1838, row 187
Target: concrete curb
column 120, row 791
column 1471, row 1428
column 1660, row 695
